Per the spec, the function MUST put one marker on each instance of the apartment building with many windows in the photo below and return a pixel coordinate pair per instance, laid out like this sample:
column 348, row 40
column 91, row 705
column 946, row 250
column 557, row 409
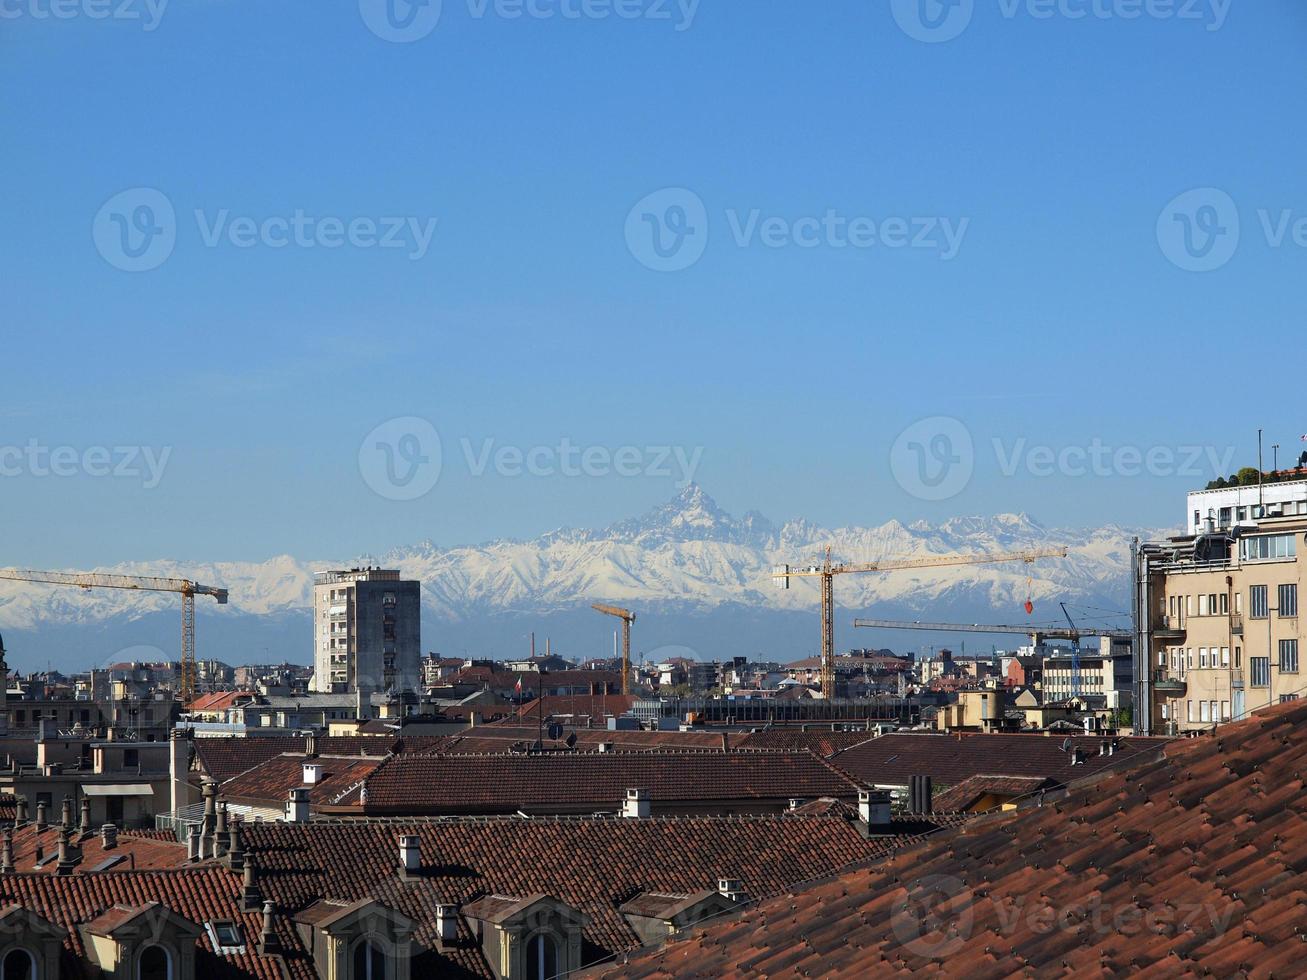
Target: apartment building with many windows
column 1216, row 610
column 367, row 632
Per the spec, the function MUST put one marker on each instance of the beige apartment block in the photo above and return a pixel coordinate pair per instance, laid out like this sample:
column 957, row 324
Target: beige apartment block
column 1219, row 618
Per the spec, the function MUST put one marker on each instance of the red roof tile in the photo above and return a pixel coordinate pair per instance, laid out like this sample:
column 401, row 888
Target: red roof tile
column 1187, row 864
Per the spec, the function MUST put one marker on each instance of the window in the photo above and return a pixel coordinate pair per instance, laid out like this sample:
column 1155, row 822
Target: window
column 1204, row 712
column 1225, row 517
column 1225, row 603
column 1241, row 513
column 541, row 957
column 1260, row 670
column 1203, row 607
column 1225, row 656
column 1188, row 605
column 19, row 965
column 1268, row 547
column 1257, row 602
column 1238, row 657
column 1238, row 602
column 1189, row 711
column 1202, row 656
column 1288, row 656
column 155, row 964
column 369, row 962
column 1189, row 657
column 131, row 758
column 1288, row 596
column 1225, row 711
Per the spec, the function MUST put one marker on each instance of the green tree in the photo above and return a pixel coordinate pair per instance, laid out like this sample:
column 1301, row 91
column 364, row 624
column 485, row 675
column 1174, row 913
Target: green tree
column 1248, row 476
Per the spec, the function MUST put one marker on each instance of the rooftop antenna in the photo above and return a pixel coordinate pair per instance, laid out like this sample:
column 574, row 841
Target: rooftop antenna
column 1260, row 501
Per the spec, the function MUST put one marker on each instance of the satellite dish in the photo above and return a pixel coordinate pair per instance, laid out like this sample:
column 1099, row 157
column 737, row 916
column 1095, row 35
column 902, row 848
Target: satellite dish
column 555, row 731
column 571, row 740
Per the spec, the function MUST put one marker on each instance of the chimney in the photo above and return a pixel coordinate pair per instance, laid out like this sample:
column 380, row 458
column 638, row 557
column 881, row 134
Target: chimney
column 7, row 853
column 66, row 813
column 220, row 832
column 20, row 812
column 85, row 827
column 874, row 808
column 210, row 793
column 109, row 836
column 297, row 806
column 40, row 816
column 66, row 862
column 312, row 773
column 446, row 924
column 731, row 888
column 269, row 944
column 410, row 854
column 605, row 747
column 235, row 849
column 251, row 897
column 726, row 741
column 310, row 746
column 919, row 795
column 193, row 843
column 637, row 803
column 795, row 802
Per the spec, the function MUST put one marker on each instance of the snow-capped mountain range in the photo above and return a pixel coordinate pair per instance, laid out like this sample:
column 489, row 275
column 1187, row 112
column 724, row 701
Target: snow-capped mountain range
column 686, row 560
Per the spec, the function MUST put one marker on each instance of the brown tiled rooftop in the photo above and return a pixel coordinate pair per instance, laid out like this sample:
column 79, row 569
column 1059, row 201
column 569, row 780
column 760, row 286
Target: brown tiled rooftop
column 225, row 758
column 1189, row 863
column 892, row 759
column 594, row 864
column 134, row 850
column 590, row 782
column 271, row 782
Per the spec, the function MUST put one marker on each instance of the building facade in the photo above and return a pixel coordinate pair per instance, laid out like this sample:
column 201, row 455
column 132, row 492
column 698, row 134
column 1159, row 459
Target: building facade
column 367, row 632
column 1219, row 633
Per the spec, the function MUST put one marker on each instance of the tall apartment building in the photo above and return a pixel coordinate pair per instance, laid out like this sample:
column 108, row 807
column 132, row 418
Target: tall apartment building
column 1218, row 633
column 367, row 632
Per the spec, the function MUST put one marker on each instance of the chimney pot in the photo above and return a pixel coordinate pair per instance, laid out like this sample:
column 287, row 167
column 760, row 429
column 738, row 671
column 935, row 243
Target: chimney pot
column 410, row 853
column 109, row 836
column 446, row 923
column 637, row 803
column 874, row 808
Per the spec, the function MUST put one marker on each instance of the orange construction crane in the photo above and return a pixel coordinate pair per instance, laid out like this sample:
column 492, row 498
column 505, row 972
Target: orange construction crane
column 97, row 580
column 627, row 617
column 826, row 570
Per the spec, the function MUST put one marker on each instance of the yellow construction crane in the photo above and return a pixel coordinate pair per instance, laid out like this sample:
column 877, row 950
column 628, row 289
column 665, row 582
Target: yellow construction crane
column 826, row 570
column 97, row 580
column 627, row 617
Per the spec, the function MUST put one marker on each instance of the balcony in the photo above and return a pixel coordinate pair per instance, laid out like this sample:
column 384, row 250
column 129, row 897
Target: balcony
column 1236, row 624
column 1171, row 687
column 1236, row 679
column 1170, row 628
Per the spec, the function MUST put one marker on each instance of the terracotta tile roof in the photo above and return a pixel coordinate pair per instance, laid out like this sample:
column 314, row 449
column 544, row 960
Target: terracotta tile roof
column 1191, row 864
column 219, row 700
column 503, row 738
column 590, row 782
column 965, row 794
column 133, row 851
column 948, row 759
column 271, row 782
column 825, row 744
column 200, row 894
column 578, row 708
column 595, row 864
column 225, row 758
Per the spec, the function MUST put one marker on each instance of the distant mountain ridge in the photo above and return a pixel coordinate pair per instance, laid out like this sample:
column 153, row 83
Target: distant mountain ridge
column 684, row 558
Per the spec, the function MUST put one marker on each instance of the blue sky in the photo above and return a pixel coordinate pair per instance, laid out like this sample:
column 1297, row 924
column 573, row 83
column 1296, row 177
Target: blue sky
column 1063, row 321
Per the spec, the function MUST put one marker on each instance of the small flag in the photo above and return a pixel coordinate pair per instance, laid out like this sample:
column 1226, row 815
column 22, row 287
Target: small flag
column 518, row 686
